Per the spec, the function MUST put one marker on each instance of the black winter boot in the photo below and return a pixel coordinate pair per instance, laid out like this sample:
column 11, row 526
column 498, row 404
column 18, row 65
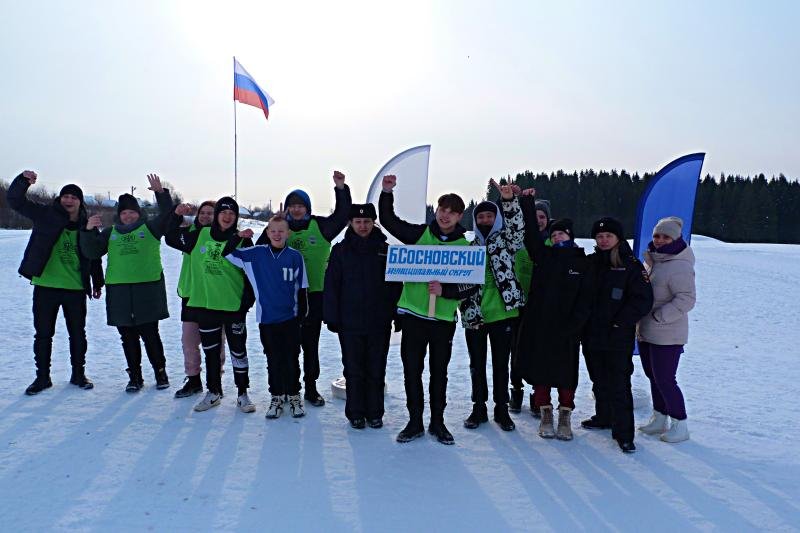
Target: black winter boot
column 79, row 378
column 136, row 382
column 515, row 405
column 595, row 423
column 358, row 423
column 312, row 396
column 440, row 431
column 413, row 430
column 502, row 418
column 162, row 381
column 39, row 384
column 192, row 385
column 477, row 417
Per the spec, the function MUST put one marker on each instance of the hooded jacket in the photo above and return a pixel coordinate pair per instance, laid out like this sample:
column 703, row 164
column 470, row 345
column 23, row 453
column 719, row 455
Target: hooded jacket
column 329, row 226
column 505, row 238
column 48, row 223
column 673, row 281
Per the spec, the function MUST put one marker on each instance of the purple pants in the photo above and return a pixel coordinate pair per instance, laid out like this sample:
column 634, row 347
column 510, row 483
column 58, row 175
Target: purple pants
column 660, row 364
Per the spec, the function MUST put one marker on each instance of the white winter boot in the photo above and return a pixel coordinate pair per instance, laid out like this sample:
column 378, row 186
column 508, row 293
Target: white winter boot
column 658, row 424
column 546, row 430
column 564, row 430
column 678, row 432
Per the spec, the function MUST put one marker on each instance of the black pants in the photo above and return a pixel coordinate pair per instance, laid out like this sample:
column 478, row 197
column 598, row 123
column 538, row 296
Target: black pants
column 130, row 336
column 309, row 338
column 420, row 336
column 46, row 302
column 364, row 360
column 211, row 340
column 282, row 347
column 610, row 372
column 501, row 335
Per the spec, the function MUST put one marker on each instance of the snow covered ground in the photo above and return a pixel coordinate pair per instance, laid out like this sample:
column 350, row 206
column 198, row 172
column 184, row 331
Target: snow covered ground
column 107, row 460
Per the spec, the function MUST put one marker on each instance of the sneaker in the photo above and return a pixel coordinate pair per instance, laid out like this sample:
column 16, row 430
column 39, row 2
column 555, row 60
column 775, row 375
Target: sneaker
column 296, row 406
column 38, row 385
column 546, row 430
column 212, row 399
column 626, row 446
column 80, row 380
column 191, row 386
column 595, row 423
column 678, row 431
column 502, row 419
column 358, row 423
column 658, row 424
column 439, row 430
column 375, row 423
column 564, row 429
column 312, row 396
column 275, row 408
column 515, row 402
column 534, row 411
column 413, row 430
column 477, row 417
column 135, row 383
column 162, row 381
column 244, row 403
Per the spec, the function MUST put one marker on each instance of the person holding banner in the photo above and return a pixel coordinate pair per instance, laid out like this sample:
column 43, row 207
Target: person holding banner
column 359, row 306
column 493, row 310
column 559, row 304
column 663, row 332
column 136, row 296
column 422, row 332
column 622, row 296
column 311, row 235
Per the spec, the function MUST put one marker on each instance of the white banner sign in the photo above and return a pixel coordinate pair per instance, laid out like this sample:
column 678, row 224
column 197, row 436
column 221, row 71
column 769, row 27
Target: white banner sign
column 446, row 264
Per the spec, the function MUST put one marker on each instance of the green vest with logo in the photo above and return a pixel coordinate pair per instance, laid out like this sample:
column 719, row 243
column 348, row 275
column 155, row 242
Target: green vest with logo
column 414, row 297
column 184, row 280
column 215, row 283
column 133, row 257
column 63, row 268
column 315, row 251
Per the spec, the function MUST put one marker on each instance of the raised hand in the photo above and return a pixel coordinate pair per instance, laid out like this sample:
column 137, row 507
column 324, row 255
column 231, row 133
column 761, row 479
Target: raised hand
column 95, row 221
column 389, row 182
column 506, row 191
column 338, row 179
column 30, row 175
column 529, row 192
column 246, row 233
column 155, row 183
column 184, row 209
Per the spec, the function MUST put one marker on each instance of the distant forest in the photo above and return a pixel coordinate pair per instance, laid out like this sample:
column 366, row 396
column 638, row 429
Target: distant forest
column 729, row 208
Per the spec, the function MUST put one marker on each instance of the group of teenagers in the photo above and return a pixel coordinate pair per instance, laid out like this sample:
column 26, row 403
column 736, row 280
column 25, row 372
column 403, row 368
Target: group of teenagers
column 542, row 299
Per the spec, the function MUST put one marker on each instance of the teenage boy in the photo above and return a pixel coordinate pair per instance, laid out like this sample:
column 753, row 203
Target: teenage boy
column 62, row 277
column 278, row 276
column 420, row 332
column 311, row 235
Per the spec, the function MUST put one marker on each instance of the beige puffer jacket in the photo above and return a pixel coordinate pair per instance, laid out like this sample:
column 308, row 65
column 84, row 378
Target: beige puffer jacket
column 672, row 277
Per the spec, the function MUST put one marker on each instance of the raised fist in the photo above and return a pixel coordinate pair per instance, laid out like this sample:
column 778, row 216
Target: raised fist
column 389, row 182
column 94, row 222
column 338, row 179
column 183, row 209
column 30, row 175
column 529, row 192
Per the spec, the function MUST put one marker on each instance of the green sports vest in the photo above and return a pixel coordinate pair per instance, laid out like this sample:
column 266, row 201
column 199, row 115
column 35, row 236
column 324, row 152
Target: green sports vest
column 215, row 283
column 133, row 257
column 415, row 294
column 493, row 308
column 63, row 268
column 315, row 251
column 184, row 280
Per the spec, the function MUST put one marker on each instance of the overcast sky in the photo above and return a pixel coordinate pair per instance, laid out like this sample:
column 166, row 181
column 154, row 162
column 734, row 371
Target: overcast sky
column 103, row 92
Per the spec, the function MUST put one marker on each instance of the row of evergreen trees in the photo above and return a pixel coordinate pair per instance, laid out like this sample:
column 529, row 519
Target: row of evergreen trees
column 730, row 208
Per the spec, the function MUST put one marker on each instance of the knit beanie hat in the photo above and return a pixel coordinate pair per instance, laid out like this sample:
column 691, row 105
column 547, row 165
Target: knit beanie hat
column 610, row 225
column 562, row 224
column 485, row 207
column 672, row 227
column 362, row 211
column 72, row 189
column 543, row 205
column 128, row 201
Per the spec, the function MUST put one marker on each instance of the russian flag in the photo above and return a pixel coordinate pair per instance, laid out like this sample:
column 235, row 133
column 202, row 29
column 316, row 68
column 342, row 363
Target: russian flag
column 247, row 91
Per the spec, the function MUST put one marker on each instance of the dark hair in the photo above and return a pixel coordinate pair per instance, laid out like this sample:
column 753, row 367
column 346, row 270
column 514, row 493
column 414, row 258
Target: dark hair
column 451, row 201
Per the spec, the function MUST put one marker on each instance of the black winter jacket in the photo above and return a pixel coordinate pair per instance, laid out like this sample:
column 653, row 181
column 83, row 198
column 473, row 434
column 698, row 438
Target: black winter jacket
column 559, row 303
column 48, row 223
column 356, row 298
column 622, row 296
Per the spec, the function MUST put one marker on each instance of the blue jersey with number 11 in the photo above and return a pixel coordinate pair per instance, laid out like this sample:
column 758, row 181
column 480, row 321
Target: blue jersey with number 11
column 276, row 277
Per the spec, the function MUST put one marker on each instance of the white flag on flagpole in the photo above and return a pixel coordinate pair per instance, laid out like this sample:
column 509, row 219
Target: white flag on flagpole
column 411, row 192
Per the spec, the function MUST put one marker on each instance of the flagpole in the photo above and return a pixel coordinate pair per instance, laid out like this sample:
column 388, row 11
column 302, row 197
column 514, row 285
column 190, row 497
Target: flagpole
column 235, row 145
